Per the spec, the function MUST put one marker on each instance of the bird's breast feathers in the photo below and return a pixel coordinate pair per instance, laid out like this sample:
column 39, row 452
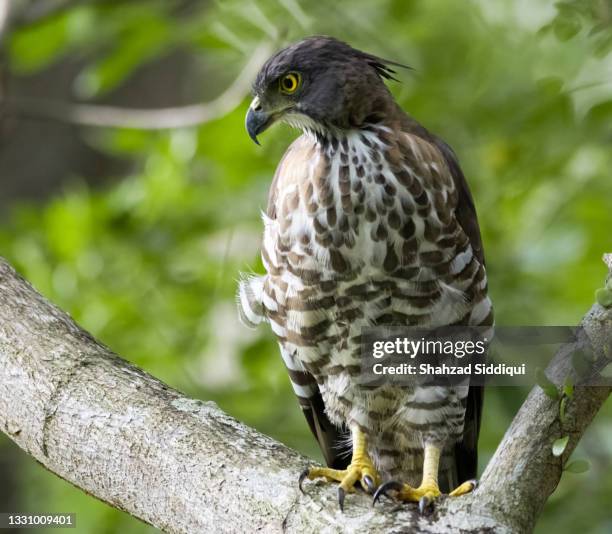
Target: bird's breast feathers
column 372, row 199
column 361, row 230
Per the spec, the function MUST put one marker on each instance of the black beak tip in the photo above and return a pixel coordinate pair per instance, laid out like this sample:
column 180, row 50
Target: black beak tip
column 252, row 134
column 255, row 123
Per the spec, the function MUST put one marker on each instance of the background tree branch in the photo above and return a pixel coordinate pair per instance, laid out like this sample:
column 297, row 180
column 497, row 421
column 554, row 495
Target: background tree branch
column 98, row 115
column 183, row 465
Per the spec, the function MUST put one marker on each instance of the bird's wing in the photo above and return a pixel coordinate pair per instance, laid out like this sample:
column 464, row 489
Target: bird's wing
column 465, row 210
column 466, row 450
column 332, row 440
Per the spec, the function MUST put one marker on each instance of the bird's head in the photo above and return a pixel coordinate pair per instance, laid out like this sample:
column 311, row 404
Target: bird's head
column 320, row 84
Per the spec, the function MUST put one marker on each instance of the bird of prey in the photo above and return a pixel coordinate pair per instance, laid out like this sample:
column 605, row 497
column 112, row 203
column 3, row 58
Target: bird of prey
column 369, row 222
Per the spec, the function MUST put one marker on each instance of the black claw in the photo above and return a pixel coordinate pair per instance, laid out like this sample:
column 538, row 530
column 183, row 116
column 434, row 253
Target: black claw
column 425, row 505
column 303, row 475
column 341, row 495
column 392, row 485
column 369, row 482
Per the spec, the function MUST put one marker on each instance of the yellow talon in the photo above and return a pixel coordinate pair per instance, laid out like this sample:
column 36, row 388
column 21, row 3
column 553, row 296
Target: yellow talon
column 360, row 469
column 462, row 489
column 428, row 491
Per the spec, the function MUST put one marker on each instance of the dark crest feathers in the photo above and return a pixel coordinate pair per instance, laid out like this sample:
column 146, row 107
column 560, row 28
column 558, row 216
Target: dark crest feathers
column 322, row 48
column 382, row 68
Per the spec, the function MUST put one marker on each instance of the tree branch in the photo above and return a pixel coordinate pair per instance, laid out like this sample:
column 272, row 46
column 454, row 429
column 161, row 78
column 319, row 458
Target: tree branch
column 144, row 119
column 5, row 12
column 183, row 465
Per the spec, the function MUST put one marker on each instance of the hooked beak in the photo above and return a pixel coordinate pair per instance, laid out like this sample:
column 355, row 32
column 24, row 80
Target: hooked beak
column 257, row 120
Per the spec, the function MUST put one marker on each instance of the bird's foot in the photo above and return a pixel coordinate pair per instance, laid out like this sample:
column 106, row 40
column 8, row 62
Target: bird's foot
column 467, row 487
column 426, row 494
column 360, row 470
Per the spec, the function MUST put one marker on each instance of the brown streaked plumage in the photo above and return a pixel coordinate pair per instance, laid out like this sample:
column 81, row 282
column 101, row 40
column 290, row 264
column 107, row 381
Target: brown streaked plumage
column 369, row 222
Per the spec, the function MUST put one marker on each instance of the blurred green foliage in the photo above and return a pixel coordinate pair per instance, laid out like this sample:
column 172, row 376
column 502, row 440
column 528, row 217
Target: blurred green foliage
column 148, row 262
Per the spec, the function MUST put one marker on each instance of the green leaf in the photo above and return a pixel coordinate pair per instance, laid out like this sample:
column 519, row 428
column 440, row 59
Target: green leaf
column 547, row 386
column 568, row 387
column 562, row 410
column 570, row 9
column 604, row 297
column 603, row 46
column 578, row 466
column 550, row 85
column 559, row 446
column 565, row 28
column 38, row 45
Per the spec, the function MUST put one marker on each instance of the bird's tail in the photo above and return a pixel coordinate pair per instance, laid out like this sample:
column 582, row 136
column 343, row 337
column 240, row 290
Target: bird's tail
column 447, row 474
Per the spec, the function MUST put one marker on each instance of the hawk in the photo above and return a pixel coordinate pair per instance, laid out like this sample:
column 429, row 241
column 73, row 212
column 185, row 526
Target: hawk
column 369, row 222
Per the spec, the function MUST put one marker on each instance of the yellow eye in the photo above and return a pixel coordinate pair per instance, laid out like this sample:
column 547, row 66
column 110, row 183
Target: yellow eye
column 289, row 83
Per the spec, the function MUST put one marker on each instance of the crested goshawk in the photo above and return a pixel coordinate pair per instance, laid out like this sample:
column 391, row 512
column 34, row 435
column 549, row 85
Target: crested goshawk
column 369, row 222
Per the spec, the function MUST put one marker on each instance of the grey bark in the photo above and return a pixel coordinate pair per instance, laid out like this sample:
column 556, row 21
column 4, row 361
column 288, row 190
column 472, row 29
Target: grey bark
column 183, row 465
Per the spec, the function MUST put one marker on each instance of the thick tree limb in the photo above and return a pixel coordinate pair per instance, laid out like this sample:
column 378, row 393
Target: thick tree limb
column 185, row 466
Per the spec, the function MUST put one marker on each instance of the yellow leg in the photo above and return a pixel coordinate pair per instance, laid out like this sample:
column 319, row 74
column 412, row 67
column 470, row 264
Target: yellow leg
column 429, row 490
column 360, row 469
